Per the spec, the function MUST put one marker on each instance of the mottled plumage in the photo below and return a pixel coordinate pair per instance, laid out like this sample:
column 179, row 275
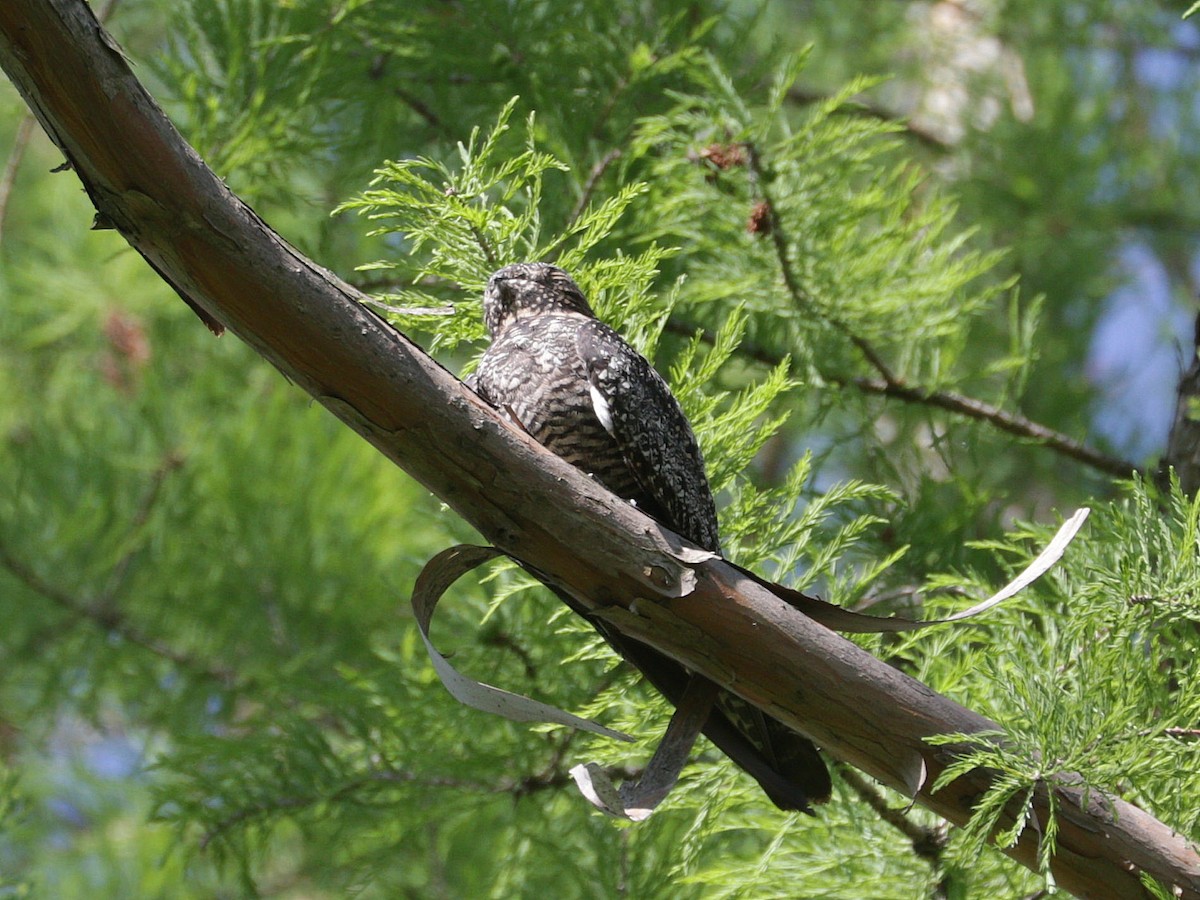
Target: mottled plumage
column 577, row 387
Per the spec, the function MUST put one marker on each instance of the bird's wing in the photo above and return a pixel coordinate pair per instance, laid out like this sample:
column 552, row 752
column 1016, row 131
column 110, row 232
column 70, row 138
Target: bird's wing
column 637, row 408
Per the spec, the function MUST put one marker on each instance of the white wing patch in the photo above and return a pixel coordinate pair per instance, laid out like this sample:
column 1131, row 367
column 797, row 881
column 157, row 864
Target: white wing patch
column 600, row 406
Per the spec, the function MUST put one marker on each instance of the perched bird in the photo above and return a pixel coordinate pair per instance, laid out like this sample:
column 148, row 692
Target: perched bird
column 580, row 390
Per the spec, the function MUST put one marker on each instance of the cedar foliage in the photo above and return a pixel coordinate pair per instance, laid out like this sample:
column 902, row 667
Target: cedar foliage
column 207, row 684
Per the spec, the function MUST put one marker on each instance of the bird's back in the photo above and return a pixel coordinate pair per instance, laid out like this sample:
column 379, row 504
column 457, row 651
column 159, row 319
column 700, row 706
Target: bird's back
column 580, row 390
column 554, row 370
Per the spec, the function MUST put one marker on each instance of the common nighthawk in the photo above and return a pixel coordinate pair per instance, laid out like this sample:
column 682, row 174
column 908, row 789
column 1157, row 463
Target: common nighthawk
column 580, row 390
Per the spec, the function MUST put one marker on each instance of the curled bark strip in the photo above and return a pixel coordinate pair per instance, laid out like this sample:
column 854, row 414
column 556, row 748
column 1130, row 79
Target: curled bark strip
column 635, row 800
column 441, row 572
column 836, row 618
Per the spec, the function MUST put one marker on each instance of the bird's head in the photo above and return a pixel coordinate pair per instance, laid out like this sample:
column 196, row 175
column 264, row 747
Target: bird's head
column 529, row 289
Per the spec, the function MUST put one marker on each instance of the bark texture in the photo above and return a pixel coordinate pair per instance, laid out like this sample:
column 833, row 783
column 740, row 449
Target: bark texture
column 219, row 256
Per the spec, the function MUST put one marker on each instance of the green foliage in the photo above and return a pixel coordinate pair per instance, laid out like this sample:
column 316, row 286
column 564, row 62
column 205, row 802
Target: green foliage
column 247, row 77
column 848, row 250
column 1101, row 685
column 461, row 224
column 200, row 570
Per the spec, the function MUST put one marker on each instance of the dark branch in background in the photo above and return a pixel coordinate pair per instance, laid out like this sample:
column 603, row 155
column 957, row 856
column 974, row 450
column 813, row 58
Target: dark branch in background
column 951, row 401
column 547, row 780
column 15, row 155
column 485, row 247
column 889, row 384
column 1013, row 423
column 1183, row 444
column 505, row 641
column 344, row 791
column 23, row 135
column 800, row 296
column 589, row 186
column 869, row 110
column 1182, row 733
column 413, row 102
column 928, row 842
column 619, row 88
column 420, row 108
column 102, row 610
column 585, row 197
column 171, row 462
column 110, row 619
column 616, row 562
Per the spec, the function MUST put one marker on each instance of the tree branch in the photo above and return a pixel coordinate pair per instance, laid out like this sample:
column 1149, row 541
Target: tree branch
column 108, row 618
column 869, row 110
column 951, row 401
column 800, row 296
column 9, row 177
column 590, row 185
column 927, row 843
column 892, row 385
column 1013, row 423
column 619, row 564
column 1183, row 444
column 20, row 143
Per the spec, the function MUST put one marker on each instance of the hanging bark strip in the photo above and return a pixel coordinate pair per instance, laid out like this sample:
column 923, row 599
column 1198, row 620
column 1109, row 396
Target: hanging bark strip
column 638, row 799
column 212, row 249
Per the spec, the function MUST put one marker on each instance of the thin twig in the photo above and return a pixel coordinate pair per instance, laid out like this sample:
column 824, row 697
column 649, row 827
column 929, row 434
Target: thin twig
column 170, row 462
column 376, row 776
column 421, row 108
column 111, row 620
column 867, row 109
column 800, row 296
column 488, row 253
column 519, row 787
column 589, row 186
column 950, row 401
column 1181, row 733
column 376, row 71
column 20, row 143
column 24, row 135
column 589, row 189
column 505, row 641
column 1012, row 423
column 927, row 842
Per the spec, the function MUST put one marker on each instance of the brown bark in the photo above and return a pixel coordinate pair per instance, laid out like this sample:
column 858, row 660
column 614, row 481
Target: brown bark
column 214, row 250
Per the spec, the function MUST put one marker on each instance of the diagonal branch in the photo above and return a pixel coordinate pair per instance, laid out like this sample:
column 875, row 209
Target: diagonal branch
column 951, row 401
column 869, row 110
column 889, row 384
column 108, row 618
column 590, row 185
column 215, row 252
column 929, row 843
column 800, row 296
column 15, row 155
column 1013, row 423
column 20, row 144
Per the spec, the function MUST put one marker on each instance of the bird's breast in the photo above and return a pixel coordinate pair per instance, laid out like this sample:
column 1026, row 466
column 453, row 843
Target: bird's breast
column 534, row 371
